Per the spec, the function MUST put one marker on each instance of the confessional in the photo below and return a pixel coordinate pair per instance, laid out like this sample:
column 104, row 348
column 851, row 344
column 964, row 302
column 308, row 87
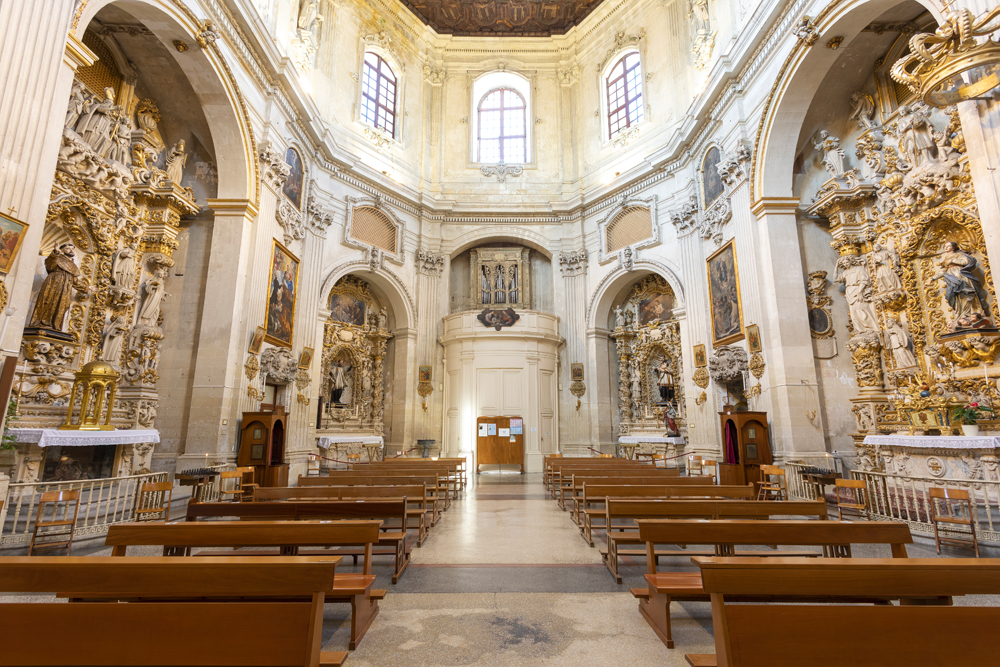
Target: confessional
column 745, row 446
column 262, row 446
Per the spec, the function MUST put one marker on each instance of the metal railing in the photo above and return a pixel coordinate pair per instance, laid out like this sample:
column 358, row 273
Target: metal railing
column 103, row 502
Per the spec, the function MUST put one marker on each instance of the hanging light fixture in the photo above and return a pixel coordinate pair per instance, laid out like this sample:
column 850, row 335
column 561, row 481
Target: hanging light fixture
column 951, row 65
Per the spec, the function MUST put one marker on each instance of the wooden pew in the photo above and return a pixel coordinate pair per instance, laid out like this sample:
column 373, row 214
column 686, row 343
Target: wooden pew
column 434, row 480
column 460, row 463
column 754, row 635
column 178, row 539
column 570, row 482
column 562, row 467
column 575, row 487
column 596, row 495
column 624, row 535
column 188, row 632
column 383, row 509
column 449, row 470
column 424, row 510
column 834, row 537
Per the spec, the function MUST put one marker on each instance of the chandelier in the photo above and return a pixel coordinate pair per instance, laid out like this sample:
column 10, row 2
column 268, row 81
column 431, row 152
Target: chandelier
column 951, row 65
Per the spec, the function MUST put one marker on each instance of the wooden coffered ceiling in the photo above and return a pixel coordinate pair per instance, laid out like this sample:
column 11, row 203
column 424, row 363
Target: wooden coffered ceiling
column 521, row 18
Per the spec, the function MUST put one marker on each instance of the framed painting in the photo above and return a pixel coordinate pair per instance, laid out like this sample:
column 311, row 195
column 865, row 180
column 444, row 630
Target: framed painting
column 576, row 372
column 656, row 307
column 296, row 178
column 724, row 295
column 424, row 374
column 712, row 186
column 347, row 309
column 283, row 289
column 753, row 338
column 257, row 340
column 700, row 358
column 11, row 235
column 306, row 358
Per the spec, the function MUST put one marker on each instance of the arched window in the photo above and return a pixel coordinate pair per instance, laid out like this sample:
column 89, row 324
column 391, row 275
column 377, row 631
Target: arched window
column 624, row 94
column 378, row 94
column 502, row 128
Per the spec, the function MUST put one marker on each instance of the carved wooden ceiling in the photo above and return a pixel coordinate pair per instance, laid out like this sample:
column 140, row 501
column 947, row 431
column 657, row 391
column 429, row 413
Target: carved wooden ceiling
column 521, row 18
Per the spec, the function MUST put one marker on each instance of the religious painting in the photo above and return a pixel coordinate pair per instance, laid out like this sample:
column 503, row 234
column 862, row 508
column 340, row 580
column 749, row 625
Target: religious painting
column 576, row 372
column 700, row 358
column 711, row 183
column 11, row 235
column 657, row 307
column 296, row 178
column 257, row 341
column 424, row 374
column 347, row 309
column 498, row 318
column 753, row 339
column 281, row 294
column 724, row 296
column 306, row 358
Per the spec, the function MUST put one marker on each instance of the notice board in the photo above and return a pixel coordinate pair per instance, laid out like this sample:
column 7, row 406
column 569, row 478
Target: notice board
column 494, row 449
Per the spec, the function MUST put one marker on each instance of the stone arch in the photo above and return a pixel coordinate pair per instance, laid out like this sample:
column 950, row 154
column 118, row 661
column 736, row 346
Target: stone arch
column 608, row 290
column 478, row 236
column 211, row 79
column 803, row 72
column 389, row 289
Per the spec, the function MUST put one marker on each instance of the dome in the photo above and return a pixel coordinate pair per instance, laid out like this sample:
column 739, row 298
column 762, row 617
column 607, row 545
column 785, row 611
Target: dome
column 99, row 368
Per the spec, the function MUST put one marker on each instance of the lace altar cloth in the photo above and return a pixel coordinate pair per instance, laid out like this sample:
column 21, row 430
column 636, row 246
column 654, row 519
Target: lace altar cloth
column 934, row 441
column 642, row 439
column 327, row 441
column 52, row 437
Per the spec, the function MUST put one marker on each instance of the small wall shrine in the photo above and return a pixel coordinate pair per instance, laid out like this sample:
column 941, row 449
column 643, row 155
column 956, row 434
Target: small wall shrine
column 650, row 368
column 354, row 349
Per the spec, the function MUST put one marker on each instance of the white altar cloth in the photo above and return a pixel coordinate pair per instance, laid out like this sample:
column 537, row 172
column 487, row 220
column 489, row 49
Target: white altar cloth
column 641, row 439
column 52, row 437
column 934, row 441
column 326, row 441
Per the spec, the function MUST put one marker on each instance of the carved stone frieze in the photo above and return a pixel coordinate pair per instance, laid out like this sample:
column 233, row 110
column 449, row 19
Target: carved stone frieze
column 728, row 363
column 274, row 170
column 501, row 171
column 278, row 365
column 573, row 263
column 290, row 220
column 319, row 219
column 434, row 76
column 733, row 167
column 865, row 349
column 428, row 263
column 568, row 75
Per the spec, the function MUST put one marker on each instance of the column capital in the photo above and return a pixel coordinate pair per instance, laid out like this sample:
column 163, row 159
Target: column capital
column 771, row 205
column 234, row 207
column 77, row 54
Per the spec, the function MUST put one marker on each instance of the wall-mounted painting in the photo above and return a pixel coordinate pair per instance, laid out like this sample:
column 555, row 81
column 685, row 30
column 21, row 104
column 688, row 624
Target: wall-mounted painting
column 348, row 309
column 257, row 340
column 711, row 183
column 576, row 372
column 424, row 374
column 281, row 294
column 724, row 296
column 753, row 339
column 306, row 358
column 657, row 307
column 11, row 235
column 296, row 178
column 700, row 358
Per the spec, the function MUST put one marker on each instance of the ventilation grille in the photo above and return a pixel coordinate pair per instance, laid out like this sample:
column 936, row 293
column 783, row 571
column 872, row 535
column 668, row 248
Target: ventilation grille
column 632, row 225
column 372, row 226
column 103, row 73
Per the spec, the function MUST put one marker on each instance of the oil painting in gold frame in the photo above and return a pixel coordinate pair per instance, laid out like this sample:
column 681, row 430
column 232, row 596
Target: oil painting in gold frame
column 724, row 295
column 12, row 234
column 282, row 291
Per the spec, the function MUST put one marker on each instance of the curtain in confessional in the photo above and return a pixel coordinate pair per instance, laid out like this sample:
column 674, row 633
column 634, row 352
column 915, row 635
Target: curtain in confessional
column 732, row 451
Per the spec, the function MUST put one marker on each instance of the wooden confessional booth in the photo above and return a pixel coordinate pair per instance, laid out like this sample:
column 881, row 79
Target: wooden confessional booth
column 262, row 445
column 745, row 446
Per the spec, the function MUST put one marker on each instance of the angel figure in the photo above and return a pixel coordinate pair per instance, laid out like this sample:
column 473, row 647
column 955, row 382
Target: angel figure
column 864, row 107
column 833, row 154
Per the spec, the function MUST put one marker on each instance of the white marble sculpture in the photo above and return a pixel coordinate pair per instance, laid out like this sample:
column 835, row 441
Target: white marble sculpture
column 897, row 341
column 887, row 268
column 852, row 272
column 176, row 161
column 114, row 336
column 833, row 154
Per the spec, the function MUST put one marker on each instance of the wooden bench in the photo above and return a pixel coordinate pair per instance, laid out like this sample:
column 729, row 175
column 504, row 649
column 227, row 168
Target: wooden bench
column 571, row 482
column 178, row 539
column 453, row 466
column 591, row 505
column 461, row 463
column 560, row 469
column 627, row 534
column 438, row 483
column 175, row 631
column 392, row 542
column 575, row 487
column 776, row 635
column 835, row 538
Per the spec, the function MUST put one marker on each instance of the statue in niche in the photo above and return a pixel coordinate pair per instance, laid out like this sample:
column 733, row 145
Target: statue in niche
column 383, row 320
column 619, row 317
column 864, row 108
column 852, row 272
column 897, row 341
column 964, row 292
column 155, row 293
column 338, row 382
column 887, row 269
column 56, row 292
column 176, row 161
column 121, row 145
column 670, row 420
column 833, row 154
column 123, row 268
column 148, row 118
column 916, row 136
column 78, row 102
column 636, row 382
column 665, row 381
column 96, row 125
column 114, row 336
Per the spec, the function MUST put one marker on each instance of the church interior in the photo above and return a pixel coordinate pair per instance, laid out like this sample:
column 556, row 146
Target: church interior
column 517, row 332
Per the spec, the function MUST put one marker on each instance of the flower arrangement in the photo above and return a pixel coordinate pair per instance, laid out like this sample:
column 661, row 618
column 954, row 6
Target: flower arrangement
column 971, row 413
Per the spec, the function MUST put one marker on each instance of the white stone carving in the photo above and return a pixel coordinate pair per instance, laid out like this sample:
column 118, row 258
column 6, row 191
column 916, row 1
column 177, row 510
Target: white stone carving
column 319, row 219
column 852, row 272
column 154, row 292
column 833, row 154
column 434, row 76
column 897, row 341
column 864, row 109
column 501, row 171
column 176, row 160
column 626, row 136
column 428, row 263
column 114, row 336
column 732, row 168
column 274, row 170
column 621, row 41
column 290, row 220
column 728, row 363
column 278, row 365
column 805, row 31
column 573, row 263
column 380, row 137
column 568, row 75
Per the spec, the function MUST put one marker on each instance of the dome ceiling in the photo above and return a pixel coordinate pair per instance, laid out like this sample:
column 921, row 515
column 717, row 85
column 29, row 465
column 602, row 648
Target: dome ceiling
column 522, row 18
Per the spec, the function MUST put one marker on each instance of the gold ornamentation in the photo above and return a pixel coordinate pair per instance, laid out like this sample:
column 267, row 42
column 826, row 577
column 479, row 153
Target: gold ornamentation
column 865, row 350
column 252, row 367
column 255, row 394
column 4, row 297
column 757, row 366
column 701, row 377
column 701, row 398
column 304, row 400
column 95, row 384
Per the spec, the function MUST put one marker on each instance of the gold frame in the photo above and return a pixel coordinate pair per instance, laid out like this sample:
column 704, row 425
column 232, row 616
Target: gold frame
column 756, row 332
column 701, row 180
column 275, row 245
column 739, row 335
column 305, row 360
column 257, row 339
column 703, row 361
column 576, row 372
column 17, row 247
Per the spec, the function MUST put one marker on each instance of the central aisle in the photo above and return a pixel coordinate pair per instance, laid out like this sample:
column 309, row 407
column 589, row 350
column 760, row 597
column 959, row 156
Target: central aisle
column 506, row 579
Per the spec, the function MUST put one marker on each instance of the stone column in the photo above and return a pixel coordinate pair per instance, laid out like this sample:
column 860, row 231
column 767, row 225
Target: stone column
column 218, row 368
column 602, row 388
column 574, row 431
column 427, row 422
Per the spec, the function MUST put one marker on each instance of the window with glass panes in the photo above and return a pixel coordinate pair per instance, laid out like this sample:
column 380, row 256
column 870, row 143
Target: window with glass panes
column 502, row 131
column 378, row 94
column 624, row 94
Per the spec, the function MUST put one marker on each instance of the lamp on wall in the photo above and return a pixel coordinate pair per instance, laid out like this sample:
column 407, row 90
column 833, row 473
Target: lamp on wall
column 951, row 65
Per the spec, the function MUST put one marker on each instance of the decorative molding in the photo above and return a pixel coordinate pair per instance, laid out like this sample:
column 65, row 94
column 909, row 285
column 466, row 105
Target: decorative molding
column 627, row 136
column 569, row 75
column 689, row 218
column 290, row 220
column 274, row 170
column 621, row 41
column 375, row 255
column 319, row 220
column 625, row 203
column 732, row 169
column 434, row 76
column 428, row 263
column 382, row 140
column 805, row 31
column 501, row 171
column 573, row 263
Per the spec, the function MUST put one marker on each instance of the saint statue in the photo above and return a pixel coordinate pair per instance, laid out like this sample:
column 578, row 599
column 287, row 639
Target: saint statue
column 670, row 420
column 833, row 154
column 176, row 161
column 963, row 290
column 114, row 335
column 916, row 136
column 77, row 103
column 887, row 269
column 864, row 107
column 852, row 272
column 154, row 289
column 123, row 268
column 56, row 294
column 665, row 381
column 95, row 126
column 897, row 340
column 121, row 145
column 619, row 318
column 338, row 381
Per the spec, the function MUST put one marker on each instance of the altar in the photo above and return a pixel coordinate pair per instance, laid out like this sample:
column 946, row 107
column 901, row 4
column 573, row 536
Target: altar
column 341, row 445
column 942, row 457
column 630, row 446
column 76, row 454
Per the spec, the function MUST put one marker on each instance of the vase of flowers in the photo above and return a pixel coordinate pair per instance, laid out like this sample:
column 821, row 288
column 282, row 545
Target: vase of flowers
column 969, row 415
